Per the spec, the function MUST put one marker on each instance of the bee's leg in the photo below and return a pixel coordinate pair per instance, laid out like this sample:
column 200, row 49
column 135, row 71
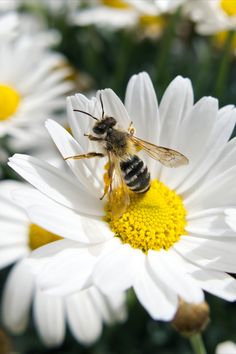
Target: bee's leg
column 107, row 178
column 89, row 155
column 131, row 129
column 93, row 138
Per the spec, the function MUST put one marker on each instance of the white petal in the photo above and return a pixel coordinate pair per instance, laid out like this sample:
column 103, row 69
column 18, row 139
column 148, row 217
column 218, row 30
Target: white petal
column 114, row 107
column 68, row 146
column 212, row 281
column 17, row 297
column 112, row 308
column 208, row 254
column 114, row 273
column 56, row 184
column 226, row 347
column 216, row 283
column 221, row 131
column 231, row 218
column 79, row 122
column 226, row 159
column 49, row 318
column 49, row 215
column 166, row 269
column 160, row 302
column 13, row 232
column 175, row 104
column 8, row 207
column 71, row 267
column 106, row 16
column 12, row 254
column 218, row 192
column 211, row 226
column 84, row 320
column 196, row 126
column 117, row 307
column 141, row 103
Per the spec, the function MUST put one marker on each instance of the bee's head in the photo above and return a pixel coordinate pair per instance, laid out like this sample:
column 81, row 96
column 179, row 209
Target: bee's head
column 102, row 126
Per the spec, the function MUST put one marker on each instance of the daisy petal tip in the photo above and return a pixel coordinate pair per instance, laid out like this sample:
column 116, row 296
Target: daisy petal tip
column 48, row 122
column 183, row 81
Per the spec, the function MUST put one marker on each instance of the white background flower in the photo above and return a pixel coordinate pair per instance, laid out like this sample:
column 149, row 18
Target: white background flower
column 69, row 205
column 226, row 348
column 212, row 16
column 119, row 14
column 84, row 311
column 32, row 89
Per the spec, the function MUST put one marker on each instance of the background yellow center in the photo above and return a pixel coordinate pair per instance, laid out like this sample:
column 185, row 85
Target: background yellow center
column 9, row 101
column 116, row 3
column 229, row 6
column 39, row 237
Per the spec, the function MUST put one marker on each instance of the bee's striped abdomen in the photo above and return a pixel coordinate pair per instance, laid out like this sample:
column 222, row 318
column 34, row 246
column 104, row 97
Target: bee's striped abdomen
column 135, row 174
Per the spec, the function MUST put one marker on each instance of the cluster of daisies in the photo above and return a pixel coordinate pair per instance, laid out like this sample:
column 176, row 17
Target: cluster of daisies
column 73, row 261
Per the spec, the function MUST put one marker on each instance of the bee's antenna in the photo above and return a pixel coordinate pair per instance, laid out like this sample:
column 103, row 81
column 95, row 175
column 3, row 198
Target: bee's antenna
column 88, row 114
column 100, row 97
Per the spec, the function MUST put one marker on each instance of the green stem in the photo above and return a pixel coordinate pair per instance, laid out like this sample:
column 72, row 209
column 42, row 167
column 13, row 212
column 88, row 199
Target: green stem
column 197, row 344
column 163, row 54
column 224, row 65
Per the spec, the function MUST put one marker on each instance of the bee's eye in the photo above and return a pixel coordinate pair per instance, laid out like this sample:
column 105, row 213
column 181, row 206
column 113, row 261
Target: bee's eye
column 111, row 121
column 100, row 129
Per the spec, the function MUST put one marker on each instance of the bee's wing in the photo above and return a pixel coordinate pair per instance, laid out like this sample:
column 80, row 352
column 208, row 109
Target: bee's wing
column 118, row 190
column 168, row 157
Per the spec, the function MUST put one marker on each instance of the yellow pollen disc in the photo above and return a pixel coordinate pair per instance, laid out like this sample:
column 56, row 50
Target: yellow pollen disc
column 9, row 101
column 148, row 20
column 152, row 25
column 221, row 37
column 119, row 4
column 229, row 6
column 39, row 237
column 154, row 220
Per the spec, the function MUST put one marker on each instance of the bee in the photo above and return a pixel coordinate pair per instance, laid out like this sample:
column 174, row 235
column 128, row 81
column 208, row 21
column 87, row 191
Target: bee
column 126, row 171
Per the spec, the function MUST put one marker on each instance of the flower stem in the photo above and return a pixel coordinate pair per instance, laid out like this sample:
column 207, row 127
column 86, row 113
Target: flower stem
column 224, row 65
column 197, row 344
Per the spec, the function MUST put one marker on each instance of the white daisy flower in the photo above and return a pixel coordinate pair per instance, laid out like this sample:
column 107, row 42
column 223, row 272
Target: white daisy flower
column 124, row 13
column 157, row 6
column 170, row 242
column 8, row 24
column 226, row 348
column 84, row 311
column 54, row 7
column 8, row 5
column 114, row 14
column 32, row 84
column 212, row 16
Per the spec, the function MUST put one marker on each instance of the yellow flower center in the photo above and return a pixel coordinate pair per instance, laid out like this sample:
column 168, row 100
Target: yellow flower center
column 229, row 6
column 39, row 237
column 221, row 37
column 153, row 220
column 9, row 101
column 152, row 25
column 116, row 3
column 147, row 20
